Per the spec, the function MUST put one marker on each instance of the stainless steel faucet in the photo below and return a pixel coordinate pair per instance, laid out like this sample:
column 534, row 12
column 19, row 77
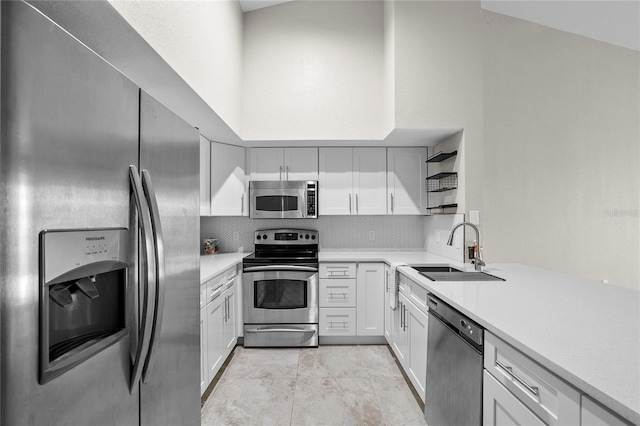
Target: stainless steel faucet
column 478, row 262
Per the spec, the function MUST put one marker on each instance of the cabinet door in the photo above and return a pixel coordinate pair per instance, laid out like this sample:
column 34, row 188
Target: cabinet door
column 500, row 407
column 400, row 335
column 267, row 163
column 406, row 173
column 301, row 163
column 230, row 325
column 370, row 299
column 335, row 181
column 388, row 312
column 205, row 177
column 370, row 181
column 215, row 337
column 227, row 180
column 417, row 329
column 204, row 371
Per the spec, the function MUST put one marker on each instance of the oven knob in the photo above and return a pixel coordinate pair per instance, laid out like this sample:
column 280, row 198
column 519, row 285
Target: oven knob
column 259, row 237
column 306, row 236
column 264, row 237
column 313, row 237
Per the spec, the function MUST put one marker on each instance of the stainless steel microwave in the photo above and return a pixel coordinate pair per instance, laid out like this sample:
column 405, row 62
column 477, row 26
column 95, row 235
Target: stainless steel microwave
column 292, row 199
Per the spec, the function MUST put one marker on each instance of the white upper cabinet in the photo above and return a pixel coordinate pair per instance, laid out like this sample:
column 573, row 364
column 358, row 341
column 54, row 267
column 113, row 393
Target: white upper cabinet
column 205, row 177
column 335, row 182
column 228, row 181
column 370, row 180
column 284, row 163
column 352, row 181
column 301, row 163
column 406, row 173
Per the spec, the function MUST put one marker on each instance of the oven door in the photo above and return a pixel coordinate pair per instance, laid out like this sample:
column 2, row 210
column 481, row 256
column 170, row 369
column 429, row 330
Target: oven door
column 280, row 294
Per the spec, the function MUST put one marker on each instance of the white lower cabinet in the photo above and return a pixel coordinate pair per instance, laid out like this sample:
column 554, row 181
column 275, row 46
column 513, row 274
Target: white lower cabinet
column 351, row 299
column 400, row 336
column 501, row 407
column 406, row 330
column 215, row 340
column 528, row 386
column 388, row 311
column 337, row 322
column 417, row 330
column 218, row 324
column 410, row 330
column 370, row 299
column 204, row 376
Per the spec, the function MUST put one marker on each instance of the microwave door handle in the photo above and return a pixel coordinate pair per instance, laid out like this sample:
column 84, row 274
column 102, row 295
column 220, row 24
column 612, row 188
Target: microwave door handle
column 158, row 239
column 148, row 271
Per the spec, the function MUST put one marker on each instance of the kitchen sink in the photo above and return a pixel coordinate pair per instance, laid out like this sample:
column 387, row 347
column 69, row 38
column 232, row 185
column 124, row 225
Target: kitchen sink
column 449, row 273
column 461, row 276
column 435, row 268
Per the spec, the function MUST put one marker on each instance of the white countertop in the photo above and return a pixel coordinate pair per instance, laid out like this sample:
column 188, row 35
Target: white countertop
column 212, row 264
column 586, row 332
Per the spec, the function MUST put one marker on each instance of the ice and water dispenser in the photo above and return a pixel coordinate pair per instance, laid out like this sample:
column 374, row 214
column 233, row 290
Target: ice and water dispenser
column 83, row 276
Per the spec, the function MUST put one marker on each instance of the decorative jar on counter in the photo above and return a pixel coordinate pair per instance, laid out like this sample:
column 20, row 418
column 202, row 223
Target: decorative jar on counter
column 210, row 246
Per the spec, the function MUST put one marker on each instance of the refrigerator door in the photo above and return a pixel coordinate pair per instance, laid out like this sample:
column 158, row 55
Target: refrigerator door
column 69, row 133
column 169, row 163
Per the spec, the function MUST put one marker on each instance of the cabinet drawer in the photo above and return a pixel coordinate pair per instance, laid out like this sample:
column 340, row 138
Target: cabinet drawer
column 338, row 270
column 337, row 293
column 544, row 393
column 220, row 283
column 337, row 322
column 414, row 292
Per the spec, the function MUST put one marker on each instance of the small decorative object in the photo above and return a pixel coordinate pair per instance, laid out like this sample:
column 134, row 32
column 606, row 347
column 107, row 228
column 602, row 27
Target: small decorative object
column 210, row 245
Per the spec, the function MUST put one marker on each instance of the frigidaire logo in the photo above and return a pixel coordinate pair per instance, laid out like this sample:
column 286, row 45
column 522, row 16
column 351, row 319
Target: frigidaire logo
column 94, row 238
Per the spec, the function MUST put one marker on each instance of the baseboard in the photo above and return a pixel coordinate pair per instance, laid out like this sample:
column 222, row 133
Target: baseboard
column 351, row 340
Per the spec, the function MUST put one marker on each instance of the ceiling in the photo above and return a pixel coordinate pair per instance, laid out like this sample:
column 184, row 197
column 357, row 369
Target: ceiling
column 613, row 21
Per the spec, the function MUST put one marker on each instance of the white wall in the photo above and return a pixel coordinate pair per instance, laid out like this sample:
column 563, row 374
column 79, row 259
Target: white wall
column 389, row 113
column 562, row 151
column 438, row 79
column 201, row 41
column 314, row 70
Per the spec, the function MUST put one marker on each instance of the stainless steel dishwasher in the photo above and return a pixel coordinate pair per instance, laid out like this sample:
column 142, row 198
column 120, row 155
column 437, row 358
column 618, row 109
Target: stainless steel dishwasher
column 453, row 393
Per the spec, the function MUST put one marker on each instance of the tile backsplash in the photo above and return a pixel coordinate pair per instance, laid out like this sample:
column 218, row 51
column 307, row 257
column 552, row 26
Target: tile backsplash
column 335, row 232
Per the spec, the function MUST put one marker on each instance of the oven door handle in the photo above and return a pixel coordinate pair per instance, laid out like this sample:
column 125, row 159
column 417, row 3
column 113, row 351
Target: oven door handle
column 269, row 268
column 280, row 330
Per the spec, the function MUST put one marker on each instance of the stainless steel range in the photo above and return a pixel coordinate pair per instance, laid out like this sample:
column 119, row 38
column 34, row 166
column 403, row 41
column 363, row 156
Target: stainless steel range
column 280, row 287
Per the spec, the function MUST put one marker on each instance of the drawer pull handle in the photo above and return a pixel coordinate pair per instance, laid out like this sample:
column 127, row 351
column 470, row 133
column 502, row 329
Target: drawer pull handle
column 533, row 389
column 341, row 296
column 333, row 326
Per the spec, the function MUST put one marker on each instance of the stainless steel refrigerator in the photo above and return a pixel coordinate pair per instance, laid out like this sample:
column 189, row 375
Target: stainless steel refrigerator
column 99, row 239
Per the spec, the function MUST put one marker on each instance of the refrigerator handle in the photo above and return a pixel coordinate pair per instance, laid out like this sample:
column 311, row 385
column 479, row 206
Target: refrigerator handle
column 160, row 273
column 148, row 271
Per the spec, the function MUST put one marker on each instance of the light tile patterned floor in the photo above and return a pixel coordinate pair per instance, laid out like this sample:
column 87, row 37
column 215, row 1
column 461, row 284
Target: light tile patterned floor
column 328, row 385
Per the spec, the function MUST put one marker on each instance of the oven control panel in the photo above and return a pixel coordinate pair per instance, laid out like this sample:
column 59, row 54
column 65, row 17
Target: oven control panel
column 286, row 236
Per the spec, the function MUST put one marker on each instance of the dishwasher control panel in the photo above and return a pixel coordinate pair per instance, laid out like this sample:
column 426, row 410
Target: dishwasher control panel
column 465, row 327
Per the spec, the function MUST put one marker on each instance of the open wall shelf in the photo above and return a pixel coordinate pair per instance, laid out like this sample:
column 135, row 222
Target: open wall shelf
column 442, row 182
column 441, row 156
column 443, row 208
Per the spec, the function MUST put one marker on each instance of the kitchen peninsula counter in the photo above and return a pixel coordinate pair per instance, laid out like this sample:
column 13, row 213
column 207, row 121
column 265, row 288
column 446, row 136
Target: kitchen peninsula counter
column 586, row 332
